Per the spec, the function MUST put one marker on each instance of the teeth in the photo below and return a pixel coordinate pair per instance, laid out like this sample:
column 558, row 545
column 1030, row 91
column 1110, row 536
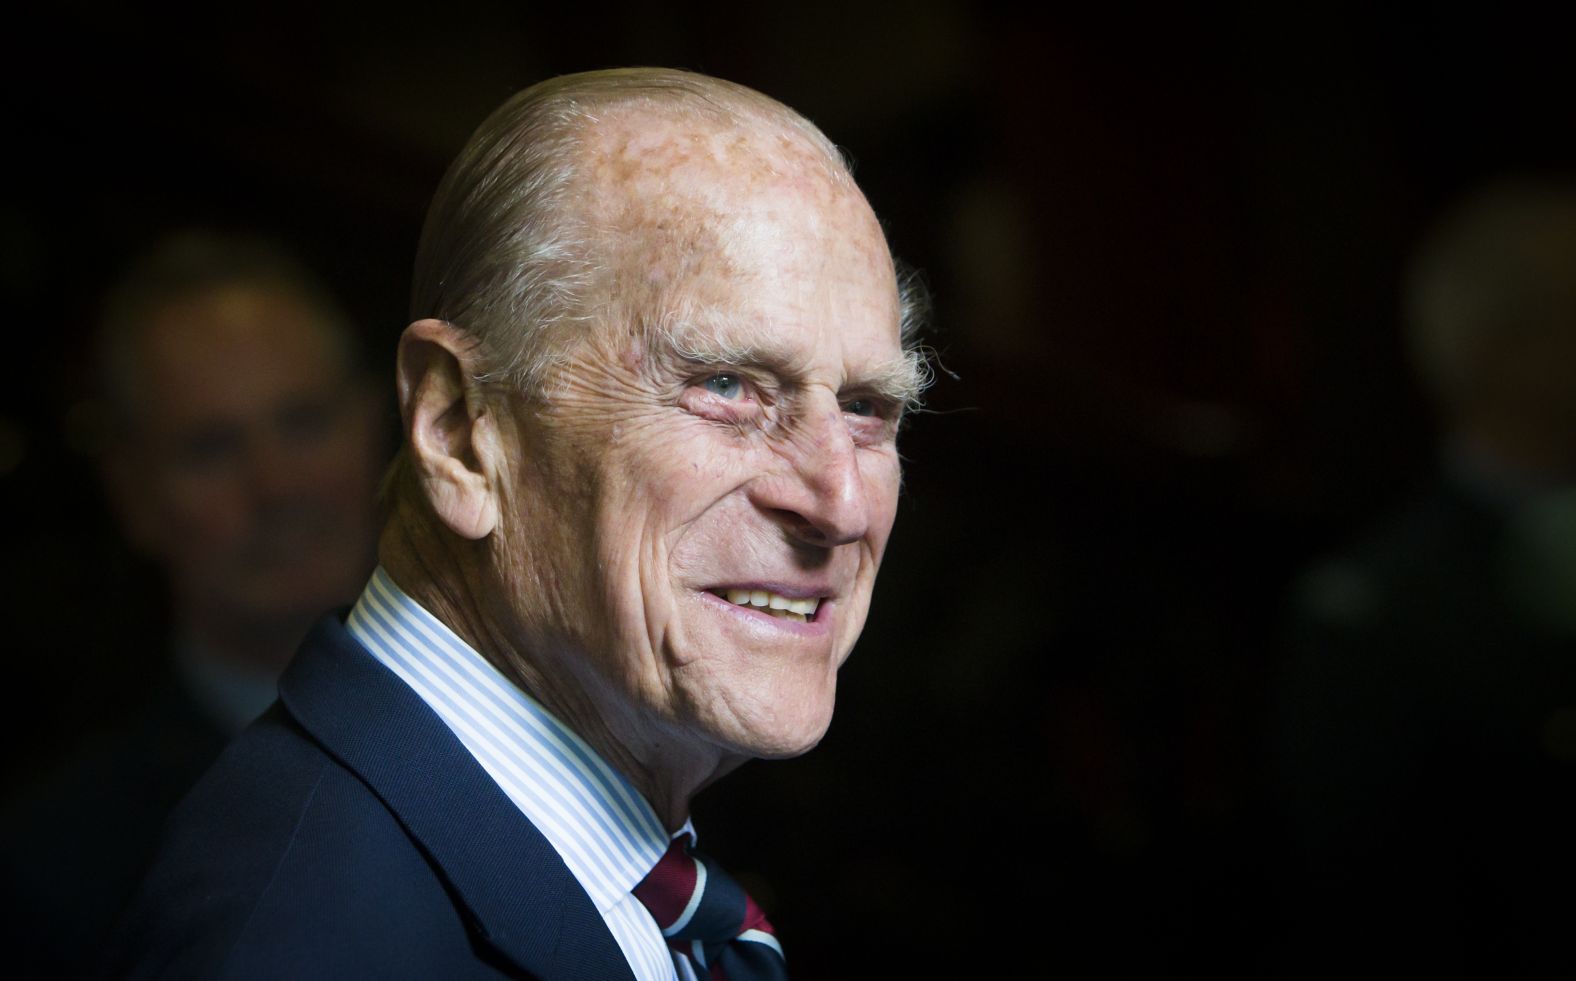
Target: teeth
column 798, row 610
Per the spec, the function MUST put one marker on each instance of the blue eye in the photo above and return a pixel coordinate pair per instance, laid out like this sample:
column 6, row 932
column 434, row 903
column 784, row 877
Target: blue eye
column 726, row 385
column 861, row 407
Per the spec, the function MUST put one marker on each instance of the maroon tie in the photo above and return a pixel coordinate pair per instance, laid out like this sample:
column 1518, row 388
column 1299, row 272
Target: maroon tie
column 709, row 919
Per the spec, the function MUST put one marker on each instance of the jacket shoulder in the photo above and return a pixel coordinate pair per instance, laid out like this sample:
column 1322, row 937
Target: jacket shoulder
column 282, row 863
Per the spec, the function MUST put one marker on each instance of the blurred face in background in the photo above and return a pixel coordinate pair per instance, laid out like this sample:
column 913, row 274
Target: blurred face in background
column 251, row 462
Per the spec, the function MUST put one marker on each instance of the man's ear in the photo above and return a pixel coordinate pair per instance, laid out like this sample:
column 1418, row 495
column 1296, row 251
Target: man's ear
column 453, row 438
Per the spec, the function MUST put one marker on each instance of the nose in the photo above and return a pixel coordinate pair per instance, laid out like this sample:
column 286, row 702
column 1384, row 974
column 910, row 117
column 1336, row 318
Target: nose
column 820, row 495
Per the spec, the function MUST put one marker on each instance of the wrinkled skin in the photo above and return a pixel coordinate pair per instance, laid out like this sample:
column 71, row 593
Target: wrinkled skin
column 727, row 418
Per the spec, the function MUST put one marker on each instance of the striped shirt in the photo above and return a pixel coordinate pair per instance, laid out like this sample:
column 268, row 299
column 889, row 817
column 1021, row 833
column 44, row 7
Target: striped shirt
column 606, row 833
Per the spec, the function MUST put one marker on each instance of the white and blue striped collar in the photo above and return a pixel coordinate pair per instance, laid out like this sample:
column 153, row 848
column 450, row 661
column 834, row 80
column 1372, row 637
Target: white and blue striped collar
column 606, row 832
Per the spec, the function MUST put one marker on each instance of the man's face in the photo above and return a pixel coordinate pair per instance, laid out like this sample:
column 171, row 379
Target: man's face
column 723, row 436
column 253, row 460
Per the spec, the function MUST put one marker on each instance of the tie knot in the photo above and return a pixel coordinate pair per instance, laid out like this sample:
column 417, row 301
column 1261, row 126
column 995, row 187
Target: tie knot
column 706, row 916
column 673, row 888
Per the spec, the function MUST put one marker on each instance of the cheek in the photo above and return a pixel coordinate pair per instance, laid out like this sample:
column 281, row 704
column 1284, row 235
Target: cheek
column 883, row 479
column 679, row 478
column 709, row 514
column 361, row 446
column 201, row 514
column 341, row 475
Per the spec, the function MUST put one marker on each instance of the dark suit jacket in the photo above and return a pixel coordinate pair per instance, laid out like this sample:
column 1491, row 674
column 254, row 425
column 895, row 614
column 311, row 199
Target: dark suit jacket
column 348, row 834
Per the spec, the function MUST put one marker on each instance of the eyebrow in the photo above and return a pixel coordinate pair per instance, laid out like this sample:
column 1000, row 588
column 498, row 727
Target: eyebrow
column 900, row 380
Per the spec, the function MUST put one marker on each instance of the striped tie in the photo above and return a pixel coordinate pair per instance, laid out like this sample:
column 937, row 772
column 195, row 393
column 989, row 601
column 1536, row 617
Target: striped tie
column 709, row 919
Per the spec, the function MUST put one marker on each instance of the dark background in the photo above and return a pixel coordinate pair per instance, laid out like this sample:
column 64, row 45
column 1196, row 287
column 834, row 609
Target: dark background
column 1164, row 247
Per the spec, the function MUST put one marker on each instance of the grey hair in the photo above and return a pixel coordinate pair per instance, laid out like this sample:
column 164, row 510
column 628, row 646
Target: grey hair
column 1499, row 267
column 914, row 310
column 505, row 253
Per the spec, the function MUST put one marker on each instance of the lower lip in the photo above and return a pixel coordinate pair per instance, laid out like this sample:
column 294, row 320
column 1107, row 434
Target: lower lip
column 820, row 626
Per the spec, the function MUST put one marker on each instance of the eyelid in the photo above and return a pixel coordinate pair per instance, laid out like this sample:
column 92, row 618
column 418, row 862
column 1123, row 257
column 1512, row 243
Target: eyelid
column 746, row 406
column 885, row 407
column 753, row 386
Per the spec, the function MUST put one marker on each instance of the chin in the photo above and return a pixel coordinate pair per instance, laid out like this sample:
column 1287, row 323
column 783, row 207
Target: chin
column 788, row 751
column 780, row 737
column 754, row 689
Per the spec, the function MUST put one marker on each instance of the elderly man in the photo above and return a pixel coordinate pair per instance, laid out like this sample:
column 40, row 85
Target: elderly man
column 650, row 409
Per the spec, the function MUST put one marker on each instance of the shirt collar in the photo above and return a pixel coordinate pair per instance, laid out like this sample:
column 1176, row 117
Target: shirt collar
column 606, row 832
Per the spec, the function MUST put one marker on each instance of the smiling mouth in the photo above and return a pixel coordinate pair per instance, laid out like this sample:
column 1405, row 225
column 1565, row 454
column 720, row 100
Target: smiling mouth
column 782, row 607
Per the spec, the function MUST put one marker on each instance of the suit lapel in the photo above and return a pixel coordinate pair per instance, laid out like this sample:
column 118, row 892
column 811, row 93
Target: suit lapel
column 509, row 881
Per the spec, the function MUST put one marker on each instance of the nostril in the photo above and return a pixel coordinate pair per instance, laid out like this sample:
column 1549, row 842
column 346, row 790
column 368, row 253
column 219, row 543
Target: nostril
column 814, row 509
column 804, row 529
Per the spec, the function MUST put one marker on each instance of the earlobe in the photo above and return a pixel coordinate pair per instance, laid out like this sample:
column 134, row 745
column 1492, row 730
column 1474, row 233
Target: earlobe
column 449, row 429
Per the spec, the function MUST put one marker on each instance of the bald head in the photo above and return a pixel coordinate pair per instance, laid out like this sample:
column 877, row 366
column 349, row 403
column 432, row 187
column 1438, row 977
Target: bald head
column 604, row 187
column 688, row 213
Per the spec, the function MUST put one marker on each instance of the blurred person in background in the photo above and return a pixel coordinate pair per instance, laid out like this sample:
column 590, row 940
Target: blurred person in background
column 1429, row 714
column 244, row 449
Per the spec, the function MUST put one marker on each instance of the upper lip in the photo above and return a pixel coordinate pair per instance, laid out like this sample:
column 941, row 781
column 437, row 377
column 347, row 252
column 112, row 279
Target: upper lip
column 789, row 590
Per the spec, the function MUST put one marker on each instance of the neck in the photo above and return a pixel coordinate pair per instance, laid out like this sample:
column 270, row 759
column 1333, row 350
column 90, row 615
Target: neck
column 459, row 582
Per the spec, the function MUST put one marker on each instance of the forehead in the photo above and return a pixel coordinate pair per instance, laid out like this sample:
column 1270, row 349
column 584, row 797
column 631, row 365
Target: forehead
column 230, row 350
column 744, row 227
column 655, row 152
